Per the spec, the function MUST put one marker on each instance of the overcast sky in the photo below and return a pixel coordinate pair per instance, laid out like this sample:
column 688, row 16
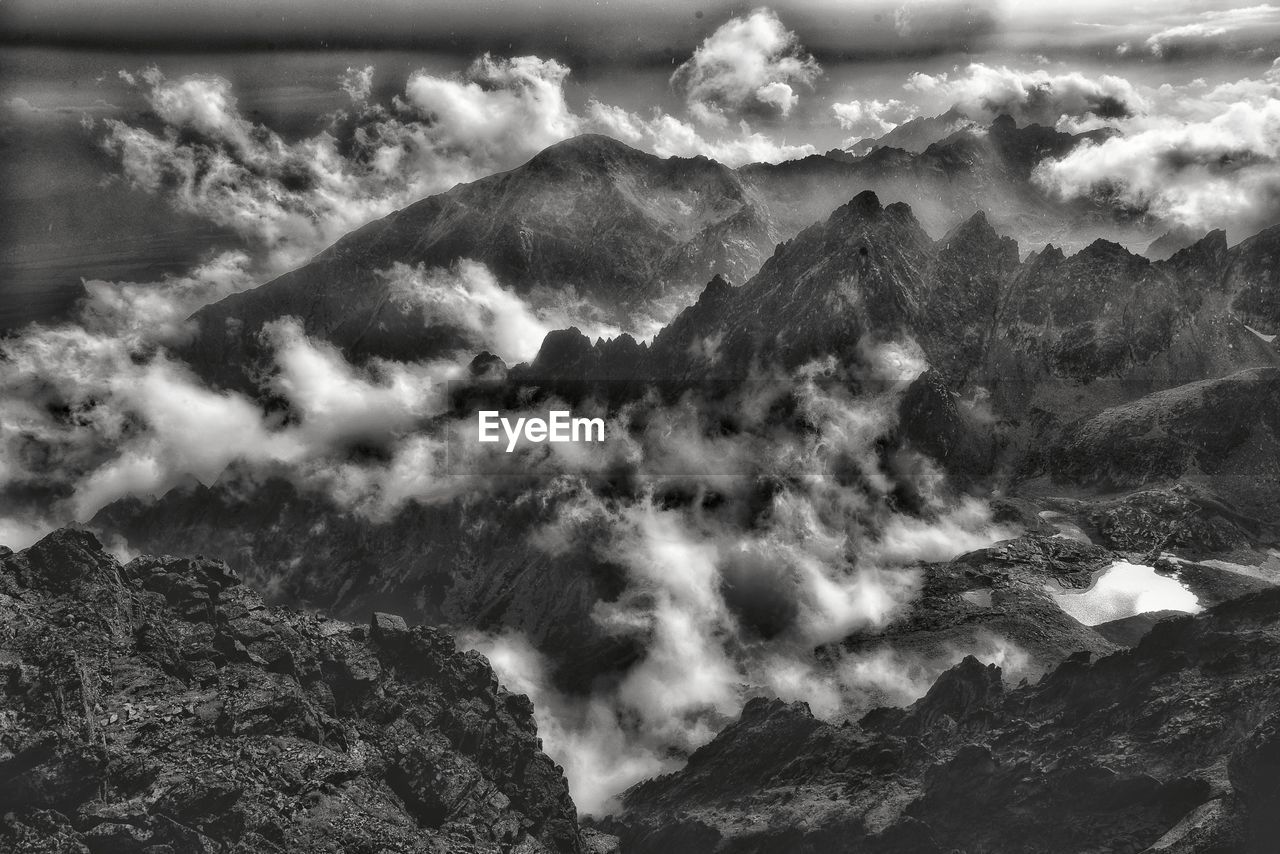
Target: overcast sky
column 625, row 31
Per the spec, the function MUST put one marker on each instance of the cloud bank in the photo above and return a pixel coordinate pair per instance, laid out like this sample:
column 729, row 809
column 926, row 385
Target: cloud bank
column 1201, row 157
column 983, row 92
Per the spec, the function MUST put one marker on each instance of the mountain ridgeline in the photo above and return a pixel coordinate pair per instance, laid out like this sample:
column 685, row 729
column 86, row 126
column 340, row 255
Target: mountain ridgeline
column 632, row 235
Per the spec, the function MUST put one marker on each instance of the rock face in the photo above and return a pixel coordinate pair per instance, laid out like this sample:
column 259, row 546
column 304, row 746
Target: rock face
column 1171, row 746
column 995, row 599
column 462, row 564
column 160, row 706
column 1227, row 429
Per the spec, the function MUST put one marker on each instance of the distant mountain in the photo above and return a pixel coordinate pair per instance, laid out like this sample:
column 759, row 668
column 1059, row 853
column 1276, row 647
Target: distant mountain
column 627, row 232
column 871, row 273
column 589, row 216
column 974, row 168
column 1044, row 342
column 1172, row 241
column 915, row 135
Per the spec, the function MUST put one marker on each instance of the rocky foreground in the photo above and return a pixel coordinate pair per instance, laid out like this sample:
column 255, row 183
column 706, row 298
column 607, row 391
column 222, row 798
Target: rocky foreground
column 159, row 706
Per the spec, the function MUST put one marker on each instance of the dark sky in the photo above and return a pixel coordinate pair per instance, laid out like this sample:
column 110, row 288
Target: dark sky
column 613, row 31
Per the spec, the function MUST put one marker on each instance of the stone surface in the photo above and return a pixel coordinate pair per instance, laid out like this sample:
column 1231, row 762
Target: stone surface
column 160, row 706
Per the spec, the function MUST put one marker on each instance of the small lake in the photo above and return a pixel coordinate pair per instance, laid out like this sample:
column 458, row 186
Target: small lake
column 1123, row 590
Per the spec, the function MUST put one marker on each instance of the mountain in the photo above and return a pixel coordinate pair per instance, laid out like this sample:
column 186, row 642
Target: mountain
column 1226, row 430
column 1172, row 241
column 974, row 168
column 160, row 706
column 982, row 317
column 1252, row 280
column 589, row 217
column 1053, row 374
column 1099, row 755
column 630, row 235
column 858, row 274
column 914, row 135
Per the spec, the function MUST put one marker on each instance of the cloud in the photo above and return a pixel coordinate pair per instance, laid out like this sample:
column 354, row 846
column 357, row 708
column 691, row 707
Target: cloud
column 668, row 136
column 1213, row 30
column 872, row 118
column 983, row 92
column 357, row 83
column 158, row 311
column 749, row 66
column 500, row 112
column 96, row 410
column 1206, row 157
column 470, row 298
column 954, row 24
column 728, row 598
column 290, row 199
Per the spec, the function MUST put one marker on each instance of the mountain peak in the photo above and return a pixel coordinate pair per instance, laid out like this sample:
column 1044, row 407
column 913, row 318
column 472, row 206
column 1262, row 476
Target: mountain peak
column 589, row 148
column 1102, row 248
column 1003, row 122
column 865, row 204
column 976, row 228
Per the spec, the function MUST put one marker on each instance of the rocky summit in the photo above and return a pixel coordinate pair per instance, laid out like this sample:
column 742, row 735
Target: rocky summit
column 159, row 706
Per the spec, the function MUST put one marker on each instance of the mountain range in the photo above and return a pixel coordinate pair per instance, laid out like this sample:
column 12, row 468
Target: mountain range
column 1105, row 408
column 631, row 235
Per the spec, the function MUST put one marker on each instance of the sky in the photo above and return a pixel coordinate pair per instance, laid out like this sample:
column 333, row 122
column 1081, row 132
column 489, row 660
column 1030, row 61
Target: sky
column 617, row 31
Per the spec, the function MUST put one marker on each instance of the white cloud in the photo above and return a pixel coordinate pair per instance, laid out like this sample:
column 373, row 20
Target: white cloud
column 501, row 112
column 470, row 298
column 1204, row 157
column 668, row 136
column 1211, row 27
column 357, row 83
column 748, row 66
column 159, row 310
column 982, row 92
column 293, row 198
column 872, row 118
column 728, row 604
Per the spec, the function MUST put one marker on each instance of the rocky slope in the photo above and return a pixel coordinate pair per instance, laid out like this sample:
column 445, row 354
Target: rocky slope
column 1225, row 430
column 466, row 563
column 160, row 706
column 1173, row 746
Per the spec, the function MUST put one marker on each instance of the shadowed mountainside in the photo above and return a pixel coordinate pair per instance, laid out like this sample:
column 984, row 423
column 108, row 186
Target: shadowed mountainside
column 1096, row 756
